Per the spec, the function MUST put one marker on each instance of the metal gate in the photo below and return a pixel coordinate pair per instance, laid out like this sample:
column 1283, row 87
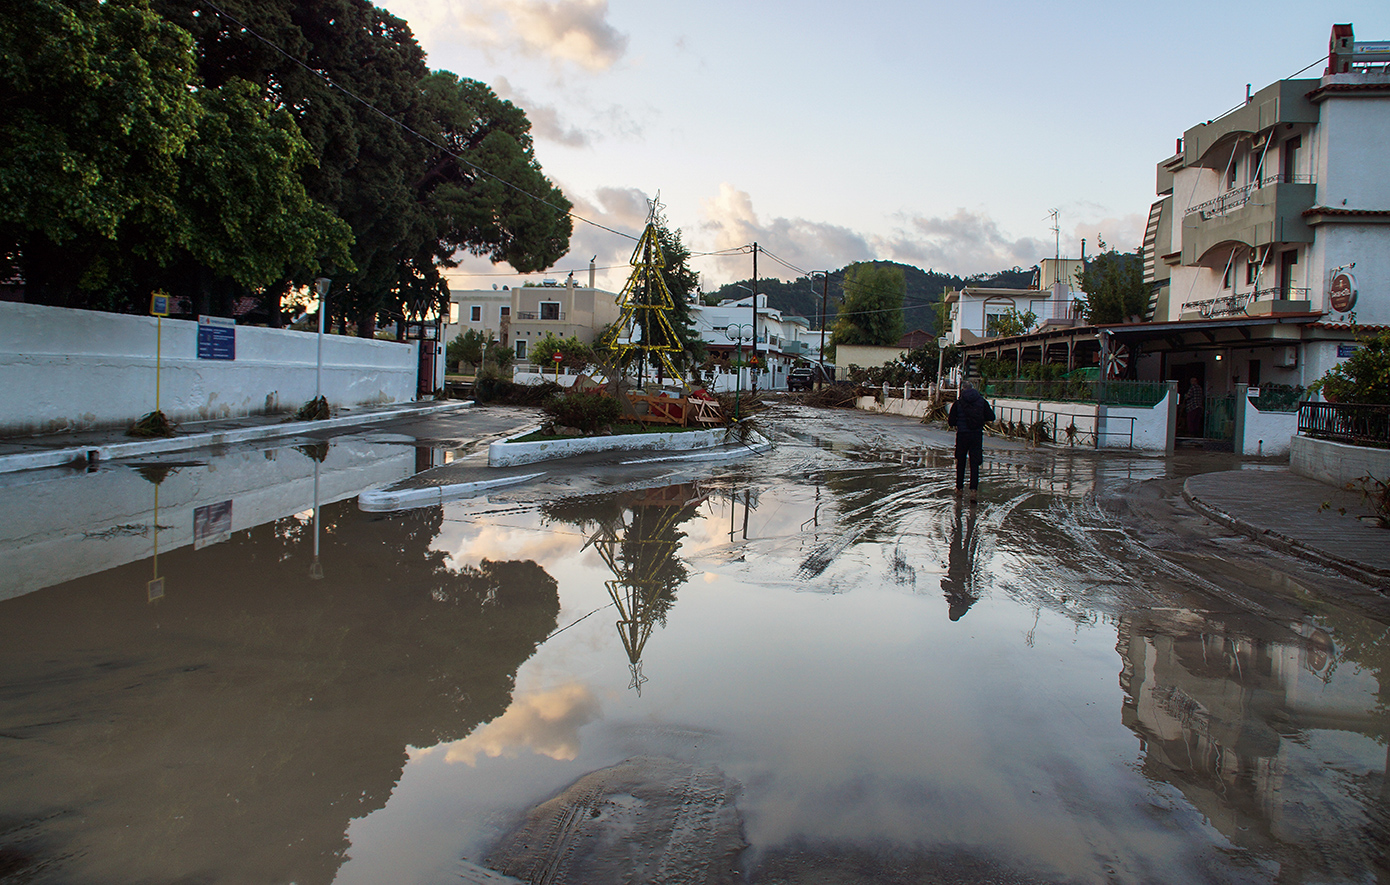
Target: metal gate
column 1220, row 420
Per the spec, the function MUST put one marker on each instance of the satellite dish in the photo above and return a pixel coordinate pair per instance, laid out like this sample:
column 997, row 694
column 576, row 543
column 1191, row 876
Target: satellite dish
column 494, row 287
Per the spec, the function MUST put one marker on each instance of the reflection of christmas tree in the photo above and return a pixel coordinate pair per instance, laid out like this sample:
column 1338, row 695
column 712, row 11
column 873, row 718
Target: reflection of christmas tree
column 641, row 553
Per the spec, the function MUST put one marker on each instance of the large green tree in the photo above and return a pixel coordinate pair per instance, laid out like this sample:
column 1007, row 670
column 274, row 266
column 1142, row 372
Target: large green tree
column 121, row 172
column 872, row 312
column 380, row 167
column 1114, row 286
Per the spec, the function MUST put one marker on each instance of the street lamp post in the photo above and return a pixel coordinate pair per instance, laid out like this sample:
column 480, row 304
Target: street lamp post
column 736, row 333
column 321, row 284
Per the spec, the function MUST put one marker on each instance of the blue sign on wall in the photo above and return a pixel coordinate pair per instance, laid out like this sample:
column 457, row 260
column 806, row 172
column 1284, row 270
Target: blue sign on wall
column 216, row 338
column 1345, row 350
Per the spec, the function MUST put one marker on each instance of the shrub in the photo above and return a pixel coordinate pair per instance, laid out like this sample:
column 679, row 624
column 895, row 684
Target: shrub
column 589, row 412
column 1365, row 376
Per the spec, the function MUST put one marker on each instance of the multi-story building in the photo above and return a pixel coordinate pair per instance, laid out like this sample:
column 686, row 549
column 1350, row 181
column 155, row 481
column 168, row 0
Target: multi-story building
column 518, row 316
column 726, row 329
column 1267, row 217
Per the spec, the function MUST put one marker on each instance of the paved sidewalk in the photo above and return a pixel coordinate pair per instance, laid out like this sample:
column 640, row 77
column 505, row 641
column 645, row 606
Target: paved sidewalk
column 1287, row 512
column 53, row 450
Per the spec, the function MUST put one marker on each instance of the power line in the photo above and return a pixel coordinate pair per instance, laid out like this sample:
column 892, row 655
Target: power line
column 425, row 138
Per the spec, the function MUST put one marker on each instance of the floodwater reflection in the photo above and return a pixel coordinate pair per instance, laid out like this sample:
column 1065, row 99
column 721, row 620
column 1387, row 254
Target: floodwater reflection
column 229, row 730
column 1100, row 715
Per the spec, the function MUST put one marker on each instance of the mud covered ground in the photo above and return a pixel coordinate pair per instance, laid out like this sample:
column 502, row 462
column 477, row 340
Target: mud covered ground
column 814, row 665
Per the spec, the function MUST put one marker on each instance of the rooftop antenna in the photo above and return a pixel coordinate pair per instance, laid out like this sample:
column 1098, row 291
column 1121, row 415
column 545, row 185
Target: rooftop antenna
column 1056, row 231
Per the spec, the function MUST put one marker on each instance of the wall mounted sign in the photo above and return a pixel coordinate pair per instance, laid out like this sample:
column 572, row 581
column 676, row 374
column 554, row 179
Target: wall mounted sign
column 1345, row 350
column 216, row 338
column 1341, row 293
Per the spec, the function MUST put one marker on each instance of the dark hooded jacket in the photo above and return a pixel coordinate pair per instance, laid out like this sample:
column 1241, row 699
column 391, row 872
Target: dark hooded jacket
column 970, row 414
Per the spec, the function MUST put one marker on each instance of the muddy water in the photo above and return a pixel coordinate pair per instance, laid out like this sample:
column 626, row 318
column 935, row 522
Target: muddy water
column 816, row 665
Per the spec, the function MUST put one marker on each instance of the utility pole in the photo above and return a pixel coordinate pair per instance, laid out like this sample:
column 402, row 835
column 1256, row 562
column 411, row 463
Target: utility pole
column 824, row 291
column 752, row 381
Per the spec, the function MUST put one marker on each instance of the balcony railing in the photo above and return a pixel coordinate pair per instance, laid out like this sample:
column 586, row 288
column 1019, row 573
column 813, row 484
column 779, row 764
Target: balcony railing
column 1237, row 304
column 1236, row 197
column 1359, row 425
column 558, row 315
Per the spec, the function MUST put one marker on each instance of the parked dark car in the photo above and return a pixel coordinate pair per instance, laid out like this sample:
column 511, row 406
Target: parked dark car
column 806, row 377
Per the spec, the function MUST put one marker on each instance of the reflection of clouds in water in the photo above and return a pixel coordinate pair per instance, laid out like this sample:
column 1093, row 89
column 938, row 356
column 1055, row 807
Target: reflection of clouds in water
column 545, row 722
column 469, row 541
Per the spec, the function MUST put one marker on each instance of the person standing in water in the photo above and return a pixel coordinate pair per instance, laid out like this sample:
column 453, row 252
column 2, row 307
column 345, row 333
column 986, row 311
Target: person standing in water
column 969, row 414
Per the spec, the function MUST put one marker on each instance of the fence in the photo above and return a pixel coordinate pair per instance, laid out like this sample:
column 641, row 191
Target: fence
column 1360, row 425
column 1111, row 393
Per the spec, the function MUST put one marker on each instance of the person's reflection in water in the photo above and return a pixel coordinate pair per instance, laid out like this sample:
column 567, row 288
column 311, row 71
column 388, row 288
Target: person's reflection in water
column 958, row 584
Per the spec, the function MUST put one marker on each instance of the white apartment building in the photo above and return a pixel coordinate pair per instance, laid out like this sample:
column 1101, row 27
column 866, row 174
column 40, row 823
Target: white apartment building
column 1271, row 234
column 728, row 326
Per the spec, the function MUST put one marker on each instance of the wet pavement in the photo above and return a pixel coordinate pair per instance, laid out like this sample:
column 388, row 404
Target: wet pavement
column 812, row 665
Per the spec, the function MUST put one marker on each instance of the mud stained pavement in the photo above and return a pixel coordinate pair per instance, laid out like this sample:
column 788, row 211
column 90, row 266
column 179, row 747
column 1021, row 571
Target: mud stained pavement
column 647, row 819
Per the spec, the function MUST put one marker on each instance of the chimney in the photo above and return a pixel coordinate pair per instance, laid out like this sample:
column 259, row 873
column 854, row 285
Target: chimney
column 591, row 271
column 1339, row 50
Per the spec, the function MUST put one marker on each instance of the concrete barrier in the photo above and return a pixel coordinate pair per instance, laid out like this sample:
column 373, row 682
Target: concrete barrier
column 505, row 453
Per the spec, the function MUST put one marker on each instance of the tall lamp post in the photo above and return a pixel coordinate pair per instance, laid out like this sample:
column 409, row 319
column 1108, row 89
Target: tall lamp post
column 737, row 333
column 321, row 284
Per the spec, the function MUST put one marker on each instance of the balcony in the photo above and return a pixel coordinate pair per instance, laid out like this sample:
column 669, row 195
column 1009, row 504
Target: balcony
column 547, row 315
column 1285, row 101
column 1238, row 304
column 1259, row 214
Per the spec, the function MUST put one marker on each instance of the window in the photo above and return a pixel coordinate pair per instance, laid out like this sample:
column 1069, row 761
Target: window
column 1226, row 277
column 1252, row 272
column 504, row 312
column 1287, row 260
column 521, row 348
column 453, row 313
column 1290, row 153
column 475, row 313
column 1232, row 172
column 550, row 310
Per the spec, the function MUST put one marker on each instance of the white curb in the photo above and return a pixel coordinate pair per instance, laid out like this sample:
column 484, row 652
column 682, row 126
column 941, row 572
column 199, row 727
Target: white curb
column 505, row 453
column 379, row 500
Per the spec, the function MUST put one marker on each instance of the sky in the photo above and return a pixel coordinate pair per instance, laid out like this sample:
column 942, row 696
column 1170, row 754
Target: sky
column 941, row 135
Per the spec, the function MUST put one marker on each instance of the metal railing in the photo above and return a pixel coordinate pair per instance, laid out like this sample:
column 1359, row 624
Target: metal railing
column 1043, row 426
column 1238, row 303
column 1277, row 397
column 1354, row 423
column 1238, row 196
column 1111, row 393
column 542, row 315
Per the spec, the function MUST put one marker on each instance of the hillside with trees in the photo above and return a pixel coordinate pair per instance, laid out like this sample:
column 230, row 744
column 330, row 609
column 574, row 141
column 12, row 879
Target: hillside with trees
column 924, row 288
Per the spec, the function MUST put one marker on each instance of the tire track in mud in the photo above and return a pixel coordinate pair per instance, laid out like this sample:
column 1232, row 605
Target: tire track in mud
column 647, row 819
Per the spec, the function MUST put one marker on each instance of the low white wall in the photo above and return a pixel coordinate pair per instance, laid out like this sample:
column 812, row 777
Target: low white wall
column 1267, row 433
column 1337, row 463
column 1151, row 426
column 912, row 408
column 69, row 369
column 505, row 453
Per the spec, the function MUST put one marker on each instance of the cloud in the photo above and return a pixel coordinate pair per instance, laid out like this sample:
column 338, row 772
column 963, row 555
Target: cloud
column 545, row 119
column 575, row 31
column 963, row 243
column 732, row 222
column 546, row 722
column 1125, row 233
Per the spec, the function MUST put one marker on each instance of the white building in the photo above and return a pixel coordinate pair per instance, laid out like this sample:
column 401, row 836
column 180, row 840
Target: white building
column 726, row 327
column 1055, row 301
column 1270, row 218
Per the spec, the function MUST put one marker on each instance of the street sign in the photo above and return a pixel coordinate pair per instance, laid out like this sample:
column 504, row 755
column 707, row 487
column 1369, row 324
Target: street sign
column 159, row 304
column 216, row 338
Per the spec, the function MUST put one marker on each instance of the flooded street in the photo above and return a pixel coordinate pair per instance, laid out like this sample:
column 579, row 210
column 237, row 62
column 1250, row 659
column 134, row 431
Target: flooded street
column 810, row 665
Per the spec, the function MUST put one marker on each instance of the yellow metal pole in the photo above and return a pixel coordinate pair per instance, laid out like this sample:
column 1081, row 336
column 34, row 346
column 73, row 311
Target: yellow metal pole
column 158, row 349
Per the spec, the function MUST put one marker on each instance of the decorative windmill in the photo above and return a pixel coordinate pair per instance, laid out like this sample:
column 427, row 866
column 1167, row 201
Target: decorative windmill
column 646, row 302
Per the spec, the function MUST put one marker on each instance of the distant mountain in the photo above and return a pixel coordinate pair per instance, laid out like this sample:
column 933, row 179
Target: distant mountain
column 802, row 297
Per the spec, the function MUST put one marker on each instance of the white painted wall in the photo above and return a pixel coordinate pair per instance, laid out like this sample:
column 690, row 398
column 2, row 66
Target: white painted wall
column 66, row 369
column 1151, row 426
column 1267, row 433
column 1336, row 463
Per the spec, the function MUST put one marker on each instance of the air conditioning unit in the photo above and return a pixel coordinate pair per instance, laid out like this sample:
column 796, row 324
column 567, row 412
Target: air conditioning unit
column 1286, row 357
